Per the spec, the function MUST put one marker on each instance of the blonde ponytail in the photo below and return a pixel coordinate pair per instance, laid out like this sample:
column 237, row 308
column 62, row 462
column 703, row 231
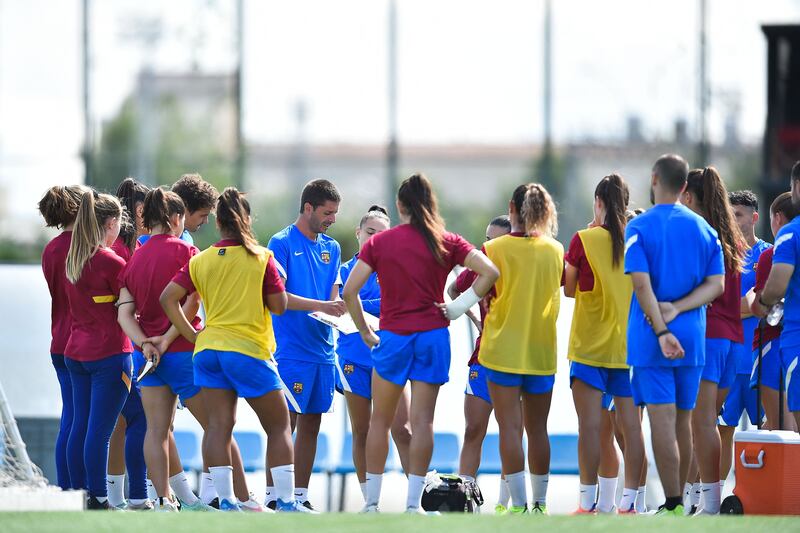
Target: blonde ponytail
column 89, row 234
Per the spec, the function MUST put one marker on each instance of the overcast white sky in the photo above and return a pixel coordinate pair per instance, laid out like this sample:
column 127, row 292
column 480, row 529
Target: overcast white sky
column 470, row 70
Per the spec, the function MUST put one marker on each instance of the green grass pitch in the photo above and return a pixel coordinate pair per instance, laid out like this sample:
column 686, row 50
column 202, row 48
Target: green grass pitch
column 385, row 523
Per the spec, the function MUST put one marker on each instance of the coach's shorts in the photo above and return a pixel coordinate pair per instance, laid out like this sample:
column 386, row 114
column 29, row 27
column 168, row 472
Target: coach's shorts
column 309, row 386
column 666, row 384
column 248, row 376
column 613, row 381
column 530, row 383
column 608, row 402
column 791, row 359
column 741, row 397
column 770, row 365
column 354, row 378
column 744, row 357
column 423, row 356
column 720, row 367
column 175, row 370
column 476, row 383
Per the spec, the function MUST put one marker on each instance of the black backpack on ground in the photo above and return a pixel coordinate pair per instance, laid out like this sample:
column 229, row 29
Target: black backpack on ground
column 448, row 493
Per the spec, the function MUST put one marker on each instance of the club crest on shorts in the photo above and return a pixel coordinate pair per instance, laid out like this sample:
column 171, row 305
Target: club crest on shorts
column 325, row 256
column 473, row 374
column 297, row 388
column 348, row 369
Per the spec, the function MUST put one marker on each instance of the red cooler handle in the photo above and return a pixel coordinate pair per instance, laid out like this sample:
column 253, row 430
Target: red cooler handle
column 759, row 464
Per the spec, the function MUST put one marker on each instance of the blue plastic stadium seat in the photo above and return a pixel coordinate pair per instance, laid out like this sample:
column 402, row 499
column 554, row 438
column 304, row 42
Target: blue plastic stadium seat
column 446, row 451
column 490, row 455
column 322, row 460
column 564, row 454
column 345, row 464
column 188, row 444
column 253, row 450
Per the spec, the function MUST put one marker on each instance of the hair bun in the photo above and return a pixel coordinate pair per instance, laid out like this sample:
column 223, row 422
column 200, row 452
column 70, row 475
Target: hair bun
column 378, row 208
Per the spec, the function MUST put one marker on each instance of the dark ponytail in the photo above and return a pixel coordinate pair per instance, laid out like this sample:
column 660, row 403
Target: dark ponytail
column 130, row 192
column 707, row 186
column 375, row 211
column 233, row 211
column 159, row 206
column 613, row 192
column 59, row 205
column 419, row 202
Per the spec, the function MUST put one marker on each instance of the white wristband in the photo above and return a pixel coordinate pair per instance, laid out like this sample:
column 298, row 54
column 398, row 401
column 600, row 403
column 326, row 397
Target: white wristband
column 462, row 304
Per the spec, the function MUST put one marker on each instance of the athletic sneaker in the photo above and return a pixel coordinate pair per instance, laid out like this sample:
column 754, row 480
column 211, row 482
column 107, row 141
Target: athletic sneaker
column 93, row 504
column 663, row 511
column 292, row 507
column 252, row 505
column 421, row 511
column 272, row 505
column 518, row 509
column 369, row 509
column 581, row 510
column 165, row 505
column 197, row 506
column 225, row 505
column 214, row 503
column 703, row 512
column 692, row 510
column 632, row 510
column 146, row 505
column 500, row 509
column 538, row 509
column 307, row 505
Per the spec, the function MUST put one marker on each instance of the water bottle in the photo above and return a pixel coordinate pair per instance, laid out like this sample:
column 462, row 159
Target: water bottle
column 775, row 314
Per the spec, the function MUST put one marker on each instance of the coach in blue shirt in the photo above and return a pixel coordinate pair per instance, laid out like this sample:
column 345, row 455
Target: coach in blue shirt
column 309, row 263
column 784, row 279
column 675, row 261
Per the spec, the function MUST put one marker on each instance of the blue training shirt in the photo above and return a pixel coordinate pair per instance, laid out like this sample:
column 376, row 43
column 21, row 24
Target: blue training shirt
column 749, row 325
column 311, row 269
column 787, row 251
column 679, row 250
column 351, row 346
column 185, row 237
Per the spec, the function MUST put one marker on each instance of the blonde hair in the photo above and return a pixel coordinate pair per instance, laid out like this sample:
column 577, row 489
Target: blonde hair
column 536, row 209
column 89, row 234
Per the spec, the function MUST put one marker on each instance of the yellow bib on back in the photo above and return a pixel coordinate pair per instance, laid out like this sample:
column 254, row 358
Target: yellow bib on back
column 519, row 333
column 229, row 281
column 600, row 321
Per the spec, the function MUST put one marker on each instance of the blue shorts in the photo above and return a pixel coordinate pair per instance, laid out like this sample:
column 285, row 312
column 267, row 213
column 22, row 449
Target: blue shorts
column 248, row 376
column 613, row 381
column 309, row 386
column 608, row 402
column 720, row 367
column 791, row 359
column 770, row 365
column 175, row 370
column 476, row 383
column 423, row 356
column 741, row 397
column 354, row 378
column 666, row 384
column 530, row 383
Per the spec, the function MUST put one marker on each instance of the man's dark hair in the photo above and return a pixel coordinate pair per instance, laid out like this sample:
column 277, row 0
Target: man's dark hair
column 746, row 198
column 796, row 171
column 195, row 192
column 317, row 192
column 672, row 170
column 501, row 221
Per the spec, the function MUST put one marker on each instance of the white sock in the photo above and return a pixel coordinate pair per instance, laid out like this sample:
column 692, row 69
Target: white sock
column 539, row 488
column 363, row 490
column 300, row 495
column 721, row 486
column 416, row 484
column 283, row 480
column 115, row 486
column 711, row 497
column 607, row 494
column 628, row 500
column 223, row 482
column 588, row 496
column 374, row 482
column 151, row 491
column 504, row 495
column 695, row 499
column 516, row 488
column 180, row 486
column 270, row 496
column 207, row 491
column 641, row 499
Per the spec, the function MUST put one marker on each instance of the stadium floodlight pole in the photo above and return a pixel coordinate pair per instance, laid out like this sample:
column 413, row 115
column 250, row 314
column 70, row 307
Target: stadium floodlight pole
column 547, row 111
column 703, row 96
column 392, row 151
column 86, row 151
column 238, row 178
